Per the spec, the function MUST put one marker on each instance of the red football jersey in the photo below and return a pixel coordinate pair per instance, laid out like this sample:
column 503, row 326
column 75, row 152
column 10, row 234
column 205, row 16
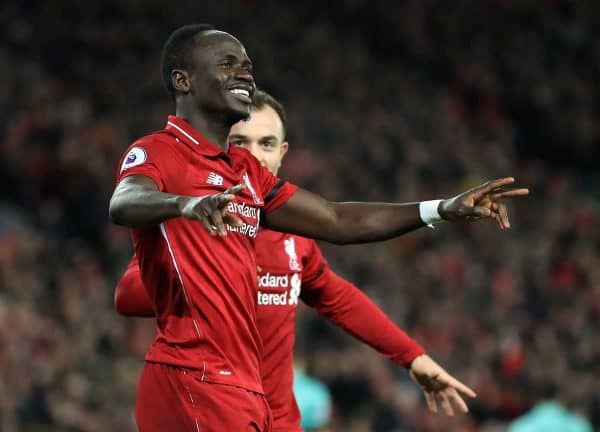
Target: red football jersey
column 292, row 268
column 285, row 263
column 203, row 288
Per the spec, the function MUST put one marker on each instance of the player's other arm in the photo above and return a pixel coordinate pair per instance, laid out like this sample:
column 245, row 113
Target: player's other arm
column 137, row 202
column 345, row 305
column 349, row 308
column 131, row 297
column 312, row 216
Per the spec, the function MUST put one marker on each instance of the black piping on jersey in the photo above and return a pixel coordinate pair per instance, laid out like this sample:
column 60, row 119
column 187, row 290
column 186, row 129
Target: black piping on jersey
column 274, row 191
column 319, row 273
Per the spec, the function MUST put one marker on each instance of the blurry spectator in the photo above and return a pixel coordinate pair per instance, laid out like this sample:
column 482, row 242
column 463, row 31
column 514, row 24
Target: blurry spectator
column 550, row 417
column 387, row 101
column 314, row 401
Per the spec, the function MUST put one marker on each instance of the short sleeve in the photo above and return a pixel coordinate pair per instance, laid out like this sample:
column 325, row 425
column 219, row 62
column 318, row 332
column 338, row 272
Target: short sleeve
column 148, row 157
column 276, row 191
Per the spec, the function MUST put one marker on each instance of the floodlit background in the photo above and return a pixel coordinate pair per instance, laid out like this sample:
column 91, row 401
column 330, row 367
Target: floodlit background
column 387, row 100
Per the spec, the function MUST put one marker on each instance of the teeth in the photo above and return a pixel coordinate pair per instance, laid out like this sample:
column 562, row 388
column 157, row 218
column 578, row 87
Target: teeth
column 240, row 92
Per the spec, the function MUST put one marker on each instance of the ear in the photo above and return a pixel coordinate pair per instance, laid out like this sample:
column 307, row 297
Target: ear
column 284, row 148
column 180, row 80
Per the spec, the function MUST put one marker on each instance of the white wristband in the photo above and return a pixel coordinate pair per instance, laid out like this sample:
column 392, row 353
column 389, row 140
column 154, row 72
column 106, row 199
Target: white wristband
column 428, row 210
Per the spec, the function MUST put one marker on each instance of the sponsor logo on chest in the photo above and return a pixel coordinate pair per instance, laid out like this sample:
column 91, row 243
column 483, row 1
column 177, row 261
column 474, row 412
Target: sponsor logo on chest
column 290, row 283
column 289, row 297
column 249, row 214
column 268, row 280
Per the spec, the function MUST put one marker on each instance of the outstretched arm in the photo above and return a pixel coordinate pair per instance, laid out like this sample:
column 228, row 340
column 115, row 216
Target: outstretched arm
column 349, row 308
column 346, row 306
column 131, row 297
column 312, row 216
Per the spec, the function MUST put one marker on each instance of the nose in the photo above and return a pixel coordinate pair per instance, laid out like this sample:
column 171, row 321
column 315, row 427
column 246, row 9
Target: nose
column 243, row 74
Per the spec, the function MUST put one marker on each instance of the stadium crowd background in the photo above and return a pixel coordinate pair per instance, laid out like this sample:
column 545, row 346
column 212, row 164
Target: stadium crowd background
column 387, row 101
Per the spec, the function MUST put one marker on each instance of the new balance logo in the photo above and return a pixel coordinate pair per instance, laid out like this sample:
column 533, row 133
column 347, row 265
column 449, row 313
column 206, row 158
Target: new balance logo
column 214, row 179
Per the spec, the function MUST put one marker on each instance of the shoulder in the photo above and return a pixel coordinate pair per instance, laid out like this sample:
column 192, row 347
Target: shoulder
column 155, row 144
column 156, row 149
column 159, row 140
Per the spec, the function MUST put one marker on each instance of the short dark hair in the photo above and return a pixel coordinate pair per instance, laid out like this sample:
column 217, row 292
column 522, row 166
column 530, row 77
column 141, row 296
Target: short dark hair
column 261, row 99
column 177, row 50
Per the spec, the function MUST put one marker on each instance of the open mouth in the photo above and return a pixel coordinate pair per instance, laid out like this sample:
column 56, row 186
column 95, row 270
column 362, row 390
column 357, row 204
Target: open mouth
column 242, row 94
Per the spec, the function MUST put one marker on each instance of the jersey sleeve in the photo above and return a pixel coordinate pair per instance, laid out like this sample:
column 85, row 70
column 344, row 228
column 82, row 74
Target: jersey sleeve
column 131, row 297
column 279, row 194
column 148, row 157
column 275, row 191
column 314, row 265
column 349, row 308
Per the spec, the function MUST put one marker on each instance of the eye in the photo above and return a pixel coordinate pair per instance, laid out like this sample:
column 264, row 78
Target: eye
column 268, row 144
column 237, row 142
column 226, row 64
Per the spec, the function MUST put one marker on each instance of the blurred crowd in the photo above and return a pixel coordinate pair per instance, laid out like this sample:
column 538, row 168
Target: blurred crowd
column 387, row 100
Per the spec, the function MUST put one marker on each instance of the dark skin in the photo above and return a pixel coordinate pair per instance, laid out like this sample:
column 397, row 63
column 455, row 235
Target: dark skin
column 205, row 99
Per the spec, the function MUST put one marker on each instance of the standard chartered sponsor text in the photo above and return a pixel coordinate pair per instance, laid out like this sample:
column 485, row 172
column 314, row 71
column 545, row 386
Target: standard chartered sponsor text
column 246, row 211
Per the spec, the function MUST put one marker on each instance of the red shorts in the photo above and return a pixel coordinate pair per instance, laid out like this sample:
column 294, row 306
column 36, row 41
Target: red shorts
column 171, row 399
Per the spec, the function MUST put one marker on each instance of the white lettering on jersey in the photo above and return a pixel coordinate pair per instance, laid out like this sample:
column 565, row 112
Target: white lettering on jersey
column 242, row 209
column 135, row 156
column 271, row 281
column 268, row 299
column 248, row 212
column 286, row 298
column 289, row 245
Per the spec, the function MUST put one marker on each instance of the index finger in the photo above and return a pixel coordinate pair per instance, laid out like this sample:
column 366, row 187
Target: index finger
column 509, row 193
column 222, row 199
column 453, row 382
column 487, row 187
column 234, row 190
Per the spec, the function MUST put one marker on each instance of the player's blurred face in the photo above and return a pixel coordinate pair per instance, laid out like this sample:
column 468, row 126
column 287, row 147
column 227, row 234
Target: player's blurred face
column 262, row 134
column 221, row 79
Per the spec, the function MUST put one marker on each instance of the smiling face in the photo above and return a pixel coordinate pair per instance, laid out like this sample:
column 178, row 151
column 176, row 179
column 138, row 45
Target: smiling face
column 263, row 135
column 220, row 77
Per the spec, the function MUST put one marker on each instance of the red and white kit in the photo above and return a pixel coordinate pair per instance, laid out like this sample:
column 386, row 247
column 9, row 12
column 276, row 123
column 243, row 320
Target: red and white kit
column 203, row 288
column 210, row 315
column 293, row 268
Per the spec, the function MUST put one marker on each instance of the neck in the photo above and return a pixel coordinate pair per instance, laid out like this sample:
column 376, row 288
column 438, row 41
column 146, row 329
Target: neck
column 212, row 125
